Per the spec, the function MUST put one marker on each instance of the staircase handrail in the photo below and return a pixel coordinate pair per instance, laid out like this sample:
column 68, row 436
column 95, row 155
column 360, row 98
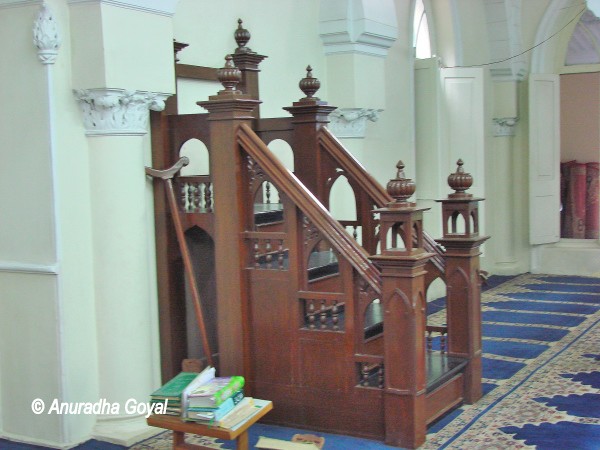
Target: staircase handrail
column 371, row 186
column 310, row 206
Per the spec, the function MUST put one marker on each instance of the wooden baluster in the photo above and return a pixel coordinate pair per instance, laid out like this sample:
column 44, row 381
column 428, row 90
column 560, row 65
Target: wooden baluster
column 269, row 256
column 429, row 342
column 183, row 196
column 208, row 197
column 190, row 197
column 355, row 233
column 365, row 374
column 443, row 342
column 380, row 376
column 280, row 255
column 323, row 315
column 256, row 254
column 197, row 197
column 268, row 192
column 311, row 315
column 335, row 315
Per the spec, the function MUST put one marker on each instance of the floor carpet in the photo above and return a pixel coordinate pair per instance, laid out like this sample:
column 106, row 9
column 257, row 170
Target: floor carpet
column 541, row 369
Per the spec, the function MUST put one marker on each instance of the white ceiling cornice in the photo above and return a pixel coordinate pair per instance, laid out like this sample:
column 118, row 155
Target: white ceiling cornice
column 160, row 7
column 18, row 3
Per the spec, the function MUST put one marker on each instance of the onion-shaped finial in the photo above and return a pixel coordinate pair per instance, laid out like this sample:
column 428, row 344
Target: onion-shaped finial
column 309, row 85
column 229, row 75
column 460, row 181
column 401, row 188
column 241, row 36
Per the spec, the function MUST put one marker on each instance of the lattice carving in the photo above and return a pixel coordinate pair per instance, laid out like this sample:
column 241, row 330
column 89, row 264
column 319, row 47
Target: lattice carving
column 310, row 232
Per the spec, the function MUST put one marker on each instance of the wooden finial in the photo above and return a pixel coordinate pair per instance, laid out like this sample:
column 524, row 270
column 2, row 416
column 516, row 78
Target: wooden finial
column 241, row 36
column 229, row 75
column 400, row 166
column 401, row 188
column 460, row 181
column 309, row 85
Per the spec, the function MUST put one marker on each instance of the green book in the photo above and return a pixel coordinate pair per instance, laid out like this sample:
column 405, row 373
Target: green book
column 174, row 387
column 215, row 391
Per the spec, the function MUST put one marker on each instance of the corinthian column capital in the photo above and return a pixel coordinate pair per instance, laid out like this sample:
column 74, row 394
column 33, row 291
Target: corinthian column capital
column 109, row 111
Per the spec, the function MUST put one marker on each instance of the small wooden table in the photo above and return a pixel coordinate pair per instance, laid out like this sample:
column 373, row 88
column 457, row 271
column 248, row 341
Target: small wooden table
column 180, row 427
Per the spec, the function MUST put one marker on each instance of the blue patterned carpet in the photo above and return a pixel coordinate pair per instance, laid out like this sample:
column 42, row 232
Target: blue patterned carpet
column 541, row 344
column 541, row 368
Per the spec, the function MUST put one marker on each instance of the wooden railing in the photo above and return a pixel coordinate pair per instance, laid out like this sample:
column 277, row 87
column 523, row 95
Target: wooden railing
column 373, row 190
column 195, row 193
column 299, row 195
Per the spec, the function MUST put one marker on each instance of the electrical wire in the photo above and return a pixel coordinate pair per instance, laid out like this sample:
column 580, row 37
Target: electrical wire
column 526, row 51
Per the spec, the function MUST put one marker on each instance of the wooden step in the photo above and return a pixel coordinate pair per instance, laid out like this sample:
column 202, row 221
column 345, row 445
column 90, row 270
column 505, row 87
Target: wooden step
column 267, row 213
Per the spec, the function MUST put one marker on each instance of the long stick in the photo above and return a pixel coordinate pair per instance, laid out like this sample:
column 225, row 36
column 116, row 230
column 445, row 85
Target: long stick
column 167, row 177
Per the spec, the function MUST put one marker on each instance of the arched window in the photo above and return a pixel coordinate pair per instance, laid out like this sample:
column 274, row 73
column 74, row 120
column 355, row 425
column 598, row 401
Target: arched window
column 421, row 41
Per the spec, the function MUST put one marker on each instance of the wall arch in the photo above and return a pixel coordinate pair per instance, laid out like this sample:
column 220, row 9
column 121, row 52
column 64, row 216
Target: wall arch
column 545, row 58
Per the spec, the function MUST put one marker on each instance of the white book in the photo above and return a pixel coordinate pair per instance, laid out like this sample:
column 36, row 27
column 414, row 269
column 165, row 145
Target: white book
column 203, row 377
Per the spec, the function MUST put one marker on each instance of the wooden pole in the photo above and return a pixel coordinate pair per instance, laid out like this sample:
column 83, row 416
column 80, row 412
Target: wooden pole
column 167, row 176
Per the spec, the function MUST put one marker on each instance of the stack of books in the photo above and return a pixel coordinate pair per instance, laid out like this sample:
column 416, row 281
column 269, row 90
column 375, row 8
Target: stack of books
column 204, row 398
column 210, row 401
column 172, row 391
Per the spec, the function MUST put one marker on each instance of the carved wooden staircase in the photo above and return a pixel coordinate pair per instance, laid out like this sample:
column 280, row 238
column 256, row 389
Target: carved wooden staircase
column 333, row 332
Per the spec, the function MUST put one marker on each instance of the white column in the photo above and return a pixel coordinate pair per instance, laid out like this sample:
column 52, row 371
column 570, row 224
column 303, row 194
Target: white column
column 356, row 36
column 116, row 125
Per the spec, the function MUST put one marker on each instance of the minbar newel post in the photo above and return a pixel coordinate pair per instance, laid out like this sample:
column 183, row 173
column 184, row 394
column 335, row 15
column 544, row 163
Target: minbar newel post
column 227, row 110
column 402, row 262
column 463, row 277
column 247, row 61
column 309, row 115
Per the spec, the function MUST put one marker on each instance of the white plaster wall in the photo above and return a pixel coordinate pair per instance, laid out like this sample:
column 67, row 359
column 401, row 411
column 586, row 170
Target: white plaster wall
column 29, row 350
column 132, row 46
column 26, row 234
column 48, row 335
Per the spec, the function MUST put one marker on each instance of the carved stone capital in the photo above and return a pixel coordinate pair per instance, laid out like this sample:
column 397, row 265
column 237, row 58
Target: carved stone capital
column 45, row 35
column 505, row 126
column 351, row 122
column 117, row 111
